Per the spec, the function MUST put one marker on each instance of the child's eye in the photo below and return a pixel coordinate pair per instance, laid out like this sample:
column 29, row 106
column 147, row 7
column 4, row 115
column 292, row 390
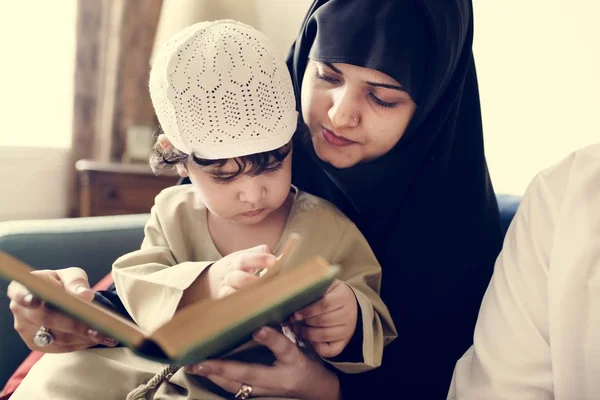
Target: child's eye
column 382, row 103
column 327, row 78
column 269, row 170
column 274, row 169
column 222, row 180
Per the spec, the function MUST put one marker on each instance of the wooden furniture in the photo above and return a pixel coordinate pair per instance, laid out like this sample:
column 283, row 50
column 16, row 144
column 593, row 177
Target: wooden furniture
column 118, row 188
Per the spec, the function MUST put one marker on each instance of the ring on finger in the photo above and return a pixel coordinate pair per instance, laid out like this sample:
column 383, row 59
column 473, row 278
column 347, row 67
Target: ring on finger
column 43, row 337
column 243, row 392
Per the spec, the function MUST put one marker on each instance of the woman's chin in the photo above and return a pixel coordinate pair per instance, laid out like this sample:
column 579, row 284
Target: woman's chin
column 336, row 157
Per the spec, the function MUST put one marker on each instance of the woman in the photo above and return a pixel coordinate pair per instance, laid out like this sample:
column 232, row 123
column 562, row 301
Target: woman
column 538, row 329
column 389, row 91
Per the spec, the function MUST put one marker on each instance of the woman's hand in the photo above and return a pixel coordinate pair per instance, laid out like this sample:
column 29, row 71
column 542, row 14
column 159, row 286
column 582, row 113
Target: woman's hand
column 30, row 314
column 237, row 270
column 329, row 323
column 293, row 374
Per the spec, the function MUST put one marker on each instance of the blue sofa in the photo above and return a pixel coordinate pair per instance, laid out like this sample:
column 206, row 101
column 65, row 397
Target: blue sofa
column 92, row 244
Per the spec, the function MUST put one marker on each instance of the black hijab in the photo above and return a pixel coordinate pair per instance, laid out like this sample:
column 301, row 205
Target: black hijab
column 427, row 207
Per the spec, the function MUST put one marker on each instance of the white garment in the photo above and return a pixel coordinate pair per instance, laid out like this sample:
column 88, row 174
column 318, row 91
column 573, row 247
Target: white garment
column 538, row 332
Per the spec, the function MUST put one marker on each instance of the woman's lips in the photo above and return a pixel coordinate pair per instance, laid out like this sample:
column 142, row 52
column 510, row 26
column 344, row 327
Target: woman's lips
column 334, row 139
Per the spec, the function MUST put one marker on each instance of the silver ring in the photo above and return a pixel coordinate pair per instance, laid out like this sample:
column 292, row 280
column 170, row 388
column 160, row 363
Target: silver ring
column 43, row 337
column 243, row 392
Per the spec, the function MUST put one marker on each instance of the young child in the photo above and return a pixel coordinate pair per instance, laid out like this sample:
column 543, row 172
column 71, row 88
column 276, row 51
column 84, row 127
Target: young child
column 225, row 102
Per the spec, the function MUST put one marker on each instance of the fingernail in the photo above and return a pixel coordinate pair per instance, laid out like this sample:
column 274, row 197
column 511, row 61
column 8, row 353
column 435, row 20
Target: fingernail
column 202, row 370
column 80, row 289
column 28, row 298
column 261, row 334
column 92, row 333
column 110, row 342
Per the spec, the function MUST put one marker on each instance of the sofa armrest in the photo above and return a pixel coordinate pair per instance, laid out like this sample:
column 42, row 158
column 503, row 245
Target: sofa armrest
column 92, row 244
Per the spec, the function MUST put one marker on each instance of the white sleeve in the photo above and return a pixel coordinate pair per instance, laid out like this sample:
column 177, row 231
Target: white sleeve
column 510, row 358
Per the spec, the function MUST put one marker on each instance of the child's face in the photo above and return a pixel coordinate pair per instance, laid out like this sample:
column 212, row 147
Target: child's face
column 245, row 199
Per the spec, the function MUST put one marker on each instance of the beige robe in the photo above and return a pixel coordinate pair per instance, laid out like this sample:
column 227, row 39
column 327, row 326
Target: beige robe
column 177, row 248
column 538, row 332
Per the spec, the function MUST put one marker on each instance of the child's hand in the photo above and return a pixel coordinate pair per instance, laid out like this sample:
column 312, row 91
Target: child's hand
column 328, row 324
column 236, row 270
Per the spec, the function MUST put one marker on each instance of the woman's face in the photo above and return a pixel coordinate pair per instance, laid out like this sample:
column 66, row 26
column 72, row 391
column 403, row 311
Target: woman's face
column 354, row 114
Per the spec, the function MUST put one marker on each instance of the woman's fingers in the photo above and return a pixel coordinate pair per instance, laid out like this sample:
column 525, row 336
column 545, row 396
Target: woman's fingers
column 64, row 339
column 51, row 319
column 75, row 280
column 27, row 330
column 224, row 381
column 233, row 387
column 28, row 321
column 68, row 333
column 292, row 375
column 232, row 371
column 30, row 314
column 22, row 296
column 283, row 349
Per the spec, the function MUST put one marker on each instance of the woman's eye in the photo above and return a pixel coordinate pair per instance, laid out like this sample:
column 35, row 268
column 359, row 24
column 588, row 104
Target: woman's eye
column 382, row 103
column 327, row 78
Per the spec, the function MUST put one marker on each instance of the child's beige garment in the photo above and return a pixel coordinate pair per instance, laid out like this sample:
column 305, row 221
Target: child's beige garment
column 177, row 247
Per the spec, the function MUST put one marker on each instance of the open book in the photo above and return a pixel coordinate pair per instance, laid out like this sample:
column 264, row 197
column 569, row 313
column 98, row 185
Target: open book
column 203, row 330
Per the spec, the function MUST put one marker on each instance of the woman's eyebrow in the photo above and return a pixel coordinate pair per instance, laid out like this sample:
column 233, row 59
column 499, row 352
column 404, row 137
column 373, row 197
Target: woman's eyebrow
column 333, row 68
column 387, row 86
column 372, row 84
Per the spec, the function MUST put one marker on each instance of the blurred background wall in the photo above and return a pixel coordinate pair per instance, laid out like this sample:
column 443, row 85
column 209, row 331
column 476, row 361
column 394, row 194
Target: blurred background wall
column 62, row 99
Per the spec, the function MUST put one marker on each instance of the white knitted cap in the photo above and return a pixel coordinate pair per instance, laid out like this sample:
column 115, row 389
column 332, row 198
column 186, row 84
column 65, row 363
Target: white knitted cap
column 221, row 90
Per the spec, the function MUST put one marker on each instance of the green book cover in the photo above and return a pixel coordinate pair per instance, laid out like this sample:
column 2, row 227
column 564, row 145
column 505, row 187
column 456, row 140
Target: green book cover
column 207, row 329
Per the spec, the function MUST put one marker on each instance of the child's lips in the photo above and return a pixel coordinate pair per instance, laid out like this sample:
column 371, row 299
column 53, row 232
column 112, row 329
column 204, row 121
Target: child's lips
column 254, row 213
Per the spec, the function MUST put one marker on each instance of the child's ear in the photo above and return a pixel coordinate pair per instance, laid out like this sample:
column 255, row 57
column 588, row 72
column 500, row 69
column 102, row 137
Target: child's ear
column 163, row 141
column 182, row 170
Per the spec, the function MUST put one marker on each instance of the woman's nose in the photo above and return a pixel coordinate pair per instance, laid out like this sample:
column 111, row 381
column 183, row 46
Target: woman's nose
column 344, row 111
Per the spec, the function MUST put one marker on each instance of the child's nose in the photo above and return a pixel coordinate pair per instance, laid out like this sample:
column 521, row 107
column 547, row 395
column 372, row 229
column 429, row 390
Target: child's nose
column 253, row 191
